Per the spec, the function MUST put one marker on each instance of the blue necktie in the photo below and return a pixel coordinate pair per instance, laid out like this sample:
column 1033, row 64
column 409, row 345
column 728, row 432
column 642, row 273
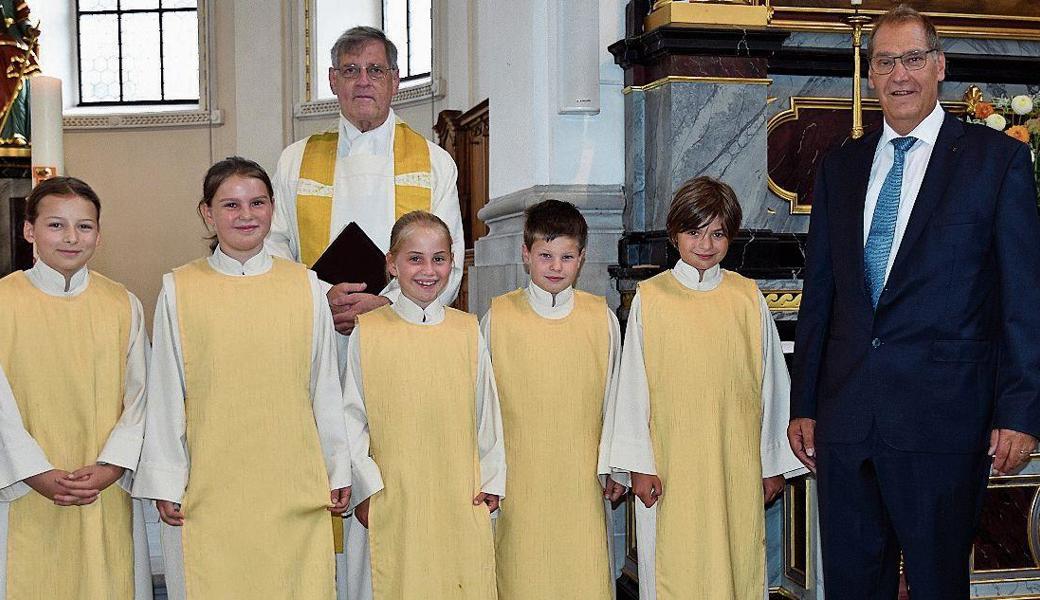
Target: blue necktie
column 883, row 225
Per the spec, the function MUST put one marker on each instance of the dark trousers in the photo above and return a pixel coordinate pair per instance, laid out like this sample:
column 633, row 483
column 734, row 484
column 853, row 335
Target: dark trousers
column 876, row 500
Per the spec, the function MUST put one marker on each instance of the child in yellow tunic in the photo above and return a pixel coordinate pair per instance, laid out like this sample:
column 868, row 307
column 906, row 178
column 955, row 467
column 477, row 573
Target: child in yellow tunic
column 245, row 431
column 73, row 354
column 702, row 412
column 553, row 538
column 425, row 427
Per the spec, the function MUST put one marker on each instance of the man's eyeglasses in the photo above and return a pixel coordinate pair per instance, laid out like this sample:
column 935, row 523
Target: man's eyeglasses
column 375, row 72
column 913, row 60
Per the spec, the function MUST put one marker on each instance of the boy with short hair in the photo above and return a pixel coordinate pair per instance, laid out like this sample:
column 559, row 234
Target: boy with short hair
column 702, row 411
column 555, row 353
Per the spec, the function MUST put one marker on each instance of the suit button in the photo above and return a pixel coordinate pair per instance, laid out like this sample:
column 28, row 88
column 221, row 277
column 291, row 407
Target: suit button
column 876, row 342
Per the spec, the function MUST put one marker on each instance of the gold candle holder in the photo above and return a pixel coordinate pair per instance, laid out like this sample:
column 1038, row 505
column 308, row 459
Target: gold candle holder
column 857, row 22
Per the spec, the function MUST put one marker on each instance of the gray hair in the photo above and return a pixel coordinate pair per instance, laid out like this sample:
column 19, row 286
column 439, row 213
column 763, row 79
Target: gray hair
column 905, row 14
column 354, row 38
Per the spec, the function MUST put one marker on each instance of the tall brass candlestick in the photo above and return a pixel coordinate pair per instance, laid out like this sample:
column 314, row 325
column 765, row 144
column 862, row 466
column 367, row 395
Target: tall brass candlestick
column 857, row 21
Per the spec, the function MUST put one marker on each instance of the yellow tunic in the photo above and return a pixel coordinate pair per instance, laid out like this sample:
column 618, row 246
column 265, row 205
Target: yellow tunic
column 255, row 519
column 66, row 359
column 550, row 540
column 426, row 537
column 703, row 356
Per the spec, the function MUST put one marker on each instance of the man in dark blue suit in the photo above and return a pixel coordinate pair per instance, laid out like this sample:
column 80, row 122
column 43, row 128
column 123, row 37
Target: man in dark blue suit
column 918, row 342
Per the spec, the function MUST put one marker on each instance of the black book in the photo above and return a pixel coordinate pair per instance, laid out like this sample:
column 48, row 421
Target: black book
column 353, row 257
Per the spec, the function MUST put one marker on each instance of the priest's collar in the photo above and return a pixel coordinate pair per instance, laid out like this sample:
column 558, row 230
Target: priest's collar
column 352, row 133
column 548, row 306
column 690, row 277
column 413, row 313
column 52, row 283
column 257, row 265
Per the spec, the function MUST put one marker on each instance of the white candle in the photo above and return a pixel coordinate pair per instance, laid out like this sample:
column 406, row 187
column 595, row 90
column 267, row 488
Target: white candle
column 857, row 2
column 45, row 120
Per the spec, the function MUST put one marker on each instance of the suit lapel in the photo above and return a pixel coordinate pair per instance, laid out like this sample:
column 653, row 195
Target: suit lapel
column 860, row 160
column 941, row 166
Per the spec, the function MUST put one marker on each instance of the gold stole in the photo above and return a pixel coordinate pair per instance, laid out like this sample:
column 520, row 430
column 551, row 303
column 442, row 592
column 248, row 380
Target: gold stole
column 703, row 357
column 255, row 519
column 66, row 361
column 550, row 540
column 314, row 193
column 427, row 540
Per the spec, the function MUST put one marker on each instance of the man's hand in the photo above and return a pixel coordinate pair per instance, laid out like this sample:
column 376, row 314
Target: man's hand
column 772, row 487
column 361, row 512
column 492, row 501
column 49, row 484
column 340, row 500
column 170, row 512
column 801, row 434
column 613, row 490
column 648, row 488
column 347, row 301
column 1010, row 450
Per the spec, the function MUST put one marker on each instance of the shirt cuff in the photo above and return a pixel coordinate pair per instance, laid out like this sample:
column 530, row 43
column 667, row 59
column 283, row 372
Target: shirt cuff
column 20, row 462
column 121, row 450
column 366, row 482
column 157, row 482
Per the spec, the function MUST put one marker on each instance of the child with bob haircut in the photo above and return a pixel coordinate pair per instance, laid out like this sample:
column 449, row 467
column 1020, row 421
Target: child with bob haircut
column 702, row 411
column 556, row 352
column 246, row 447
column 73, row 359
column 424, row 420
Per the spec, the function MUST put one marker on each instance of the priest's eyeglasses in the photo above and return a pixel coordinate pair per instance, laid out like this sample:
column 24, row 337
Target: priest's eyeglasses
column 914, row 60
column 375, row 72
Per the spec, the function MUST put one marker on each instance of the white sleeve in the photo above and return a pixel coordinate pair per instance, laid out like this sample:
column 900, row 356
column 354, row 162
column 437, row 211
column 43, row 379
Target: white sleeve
column 610, row 398
column 366, row 478
column 20, row 456
column 445, row 204
column 283, row 240
column 490, row 447
column 327, row 392
column 631, row 449
column 777, row 457
column 123, row 447
column 163, row 471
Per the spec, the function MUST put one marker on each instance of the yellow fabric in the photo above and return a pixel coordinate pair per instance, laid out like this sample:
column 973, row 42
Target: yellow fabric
column 427, row 540
column 703, row 357
column 550, row 540
column 412, row 185
column 255, row 524
column 66, row 361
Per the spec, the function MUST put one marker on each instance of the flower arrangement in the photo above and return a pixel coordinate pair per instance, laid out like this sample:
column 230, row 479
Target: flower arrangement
column 1018, row 117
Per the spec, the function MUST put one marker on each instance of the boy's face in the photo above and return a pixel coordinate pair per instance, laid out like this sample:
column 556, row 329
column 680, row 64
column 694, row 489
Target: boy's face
column 554, row 265
column 705, row 247
column 240, row 214
column 65, row 232
column 422, row 264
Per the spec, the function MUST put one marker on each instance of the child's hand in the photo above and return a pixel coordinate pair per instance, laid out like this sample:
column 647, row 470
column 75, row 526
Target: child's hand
column 93, row 477
column 170, row 512
column 492, row 501
column 361, row 513
column 772, row 487
column 340, row 499
column 647, row 488
column 49, row 485
column 613, row 491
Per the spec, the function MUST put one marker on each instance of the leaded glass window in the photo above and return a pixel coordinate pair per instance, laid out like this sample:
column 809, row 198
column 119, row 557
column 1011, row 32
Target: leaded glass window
column 138, row 52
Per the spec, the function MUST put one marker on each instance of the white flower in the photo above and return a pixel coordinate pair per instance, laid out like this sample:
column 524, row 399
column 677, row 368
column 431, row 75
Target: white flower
column 1022, row 105
column 996, row 121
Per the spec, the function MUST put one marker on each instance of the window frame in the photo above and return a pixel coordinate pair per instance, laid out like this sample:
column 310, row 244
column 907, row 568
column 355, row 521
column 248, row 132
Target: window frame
column 201, row 13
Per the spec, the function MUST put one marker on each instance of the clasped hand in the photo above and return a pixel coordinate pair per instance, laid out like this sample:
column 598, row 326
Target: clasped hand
column 78, row 488
column 347, row 301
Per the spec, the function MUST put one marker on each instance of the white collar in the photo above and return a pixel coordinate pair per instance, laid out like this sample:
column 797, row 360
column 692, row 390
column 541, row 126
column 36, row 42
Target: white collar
column 548, row 306
column 411, row 312
column 257, row 265
column 352, row 133
column 52, row 283
column 926, row 131
column 690, row 277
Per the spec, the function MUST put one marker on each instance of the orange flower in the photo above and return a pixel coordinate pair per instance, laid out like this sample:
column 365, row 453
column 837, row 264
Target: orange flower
column 983, row 110
column 1019, row 132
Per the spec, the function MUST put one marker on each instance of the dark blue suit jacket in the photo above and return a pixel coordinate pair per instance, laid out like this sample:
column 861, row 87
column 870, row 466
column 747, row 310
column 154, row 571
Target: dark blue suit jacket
column 954, row 346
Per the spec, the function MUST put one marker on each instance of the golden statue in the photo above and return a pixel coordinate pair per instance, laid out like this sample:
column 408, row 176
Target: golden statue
column 19, row 59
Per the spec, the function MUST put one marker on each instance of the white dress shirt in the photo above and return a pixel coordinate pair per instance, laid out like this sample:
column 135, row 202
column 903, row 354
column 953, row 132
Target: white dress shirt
column 914, row 168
